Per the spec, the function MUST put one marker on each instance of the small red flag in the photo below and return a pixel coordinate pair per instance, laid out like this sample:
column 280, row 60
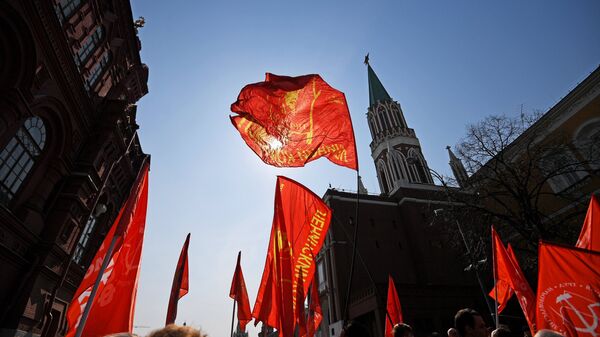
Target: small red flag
column 315, row 313
column 568, row 284
column 290, row 121
column 114, row 305
column 589, row 238
column 181, row 283
column 507, row 270
column 505, row 290
column 299, row 307
column 300, row 223
column 393, row 309
column 239, row 293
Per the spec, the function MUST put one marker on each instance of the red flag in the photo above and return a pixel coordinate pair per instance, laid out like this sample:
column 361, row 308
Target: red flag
column 300, row 223
column 113, row 307
column 393, row 309
column 299, row 308
column 239, row 293
column 568, row 281
column 181, row 283
column 589, row 238
column 505, row 292
column 315, row 313
column 508, row 271
column 290, row 121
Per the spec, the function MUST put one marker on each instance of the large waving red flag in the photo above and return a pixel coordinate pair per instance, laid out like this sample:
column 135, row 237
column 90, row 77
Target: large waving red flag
column 393, row 308
column 181, row 283
column 589, row 238
column 290, row 121
column 113, row 307
column 239, row 293
column 568, row 288
column 300, row 223
column 508, row 271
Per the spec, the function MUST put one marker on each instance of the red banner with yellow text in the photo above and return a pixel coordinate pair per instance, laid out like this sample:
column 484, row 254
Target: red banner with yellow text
column 290, row 121
column 300, row 223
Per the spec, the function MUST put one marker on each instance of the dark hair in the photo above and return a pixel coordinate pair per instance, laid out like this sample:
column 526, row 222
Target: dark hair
column 501, row 332
column 400, row 329
column 463, row 318
column 355, row 329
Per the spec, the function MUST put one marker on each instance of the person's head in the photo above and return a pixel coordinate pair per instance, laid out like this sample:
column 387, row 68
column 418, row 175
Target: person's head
column 355, row 329
column 501, row 332
column 173, row 330
column 452, row 332
column 402, row 330
column 469, row 323
column 547, row 333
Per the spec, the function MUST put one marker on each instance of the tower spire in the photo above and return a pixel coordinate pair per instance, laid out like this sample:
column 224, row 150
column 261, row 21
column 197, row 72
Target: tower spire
column 460, row 174
column 377, row 92
column 395, row 147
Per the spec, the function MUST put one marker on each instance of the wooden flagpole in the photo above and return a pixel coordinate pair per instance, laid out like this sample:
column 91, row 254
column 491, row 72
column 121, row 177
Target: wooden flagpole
column 495, row 267
column 354, row 248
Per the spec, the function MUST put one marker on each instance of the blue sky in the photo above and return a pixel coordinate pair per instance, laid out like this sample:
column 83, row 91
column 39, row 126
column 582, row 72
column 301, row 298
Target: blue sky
column 448, row 63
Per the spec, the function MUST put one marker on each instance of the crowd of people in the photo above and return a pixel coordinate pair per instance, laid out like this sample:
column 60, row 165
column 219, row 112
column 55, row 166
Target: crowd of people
column 467, row 323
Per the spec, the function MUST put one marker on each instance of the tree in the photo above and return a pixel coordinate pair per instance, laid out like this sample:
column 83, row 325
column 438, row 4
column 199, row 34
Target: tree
column 526, row 178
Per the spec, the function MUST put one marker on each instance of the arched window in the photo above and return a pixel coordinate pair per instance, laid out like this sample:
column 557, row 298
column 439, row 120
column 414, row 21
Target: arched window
column 18, row 156
column 587, row 141
column 384, row 183
column 417, row 167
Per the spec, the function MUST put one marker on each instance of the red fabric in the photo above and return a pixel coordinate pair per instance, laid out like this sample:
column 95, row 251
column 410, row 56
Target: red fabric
column 299, row 307
column 589, row 238
column 508, row 271
column 393, row 308
column 315, row 313
column 181, row 283
column 114, row 304
column 300, row 223
column 239, row 293
column 290, row 121
column 568, row 284
column 505, row 292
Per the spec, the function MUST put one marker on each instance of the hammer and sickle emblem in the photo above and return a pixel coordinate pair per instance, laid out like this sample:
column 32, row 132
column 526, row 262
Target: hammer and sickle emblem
column 588, row 327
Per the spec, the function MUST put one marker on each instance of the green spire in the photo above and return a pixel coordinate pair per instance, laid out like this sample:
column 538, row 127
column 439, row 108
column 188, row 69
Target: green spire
column 376, row 90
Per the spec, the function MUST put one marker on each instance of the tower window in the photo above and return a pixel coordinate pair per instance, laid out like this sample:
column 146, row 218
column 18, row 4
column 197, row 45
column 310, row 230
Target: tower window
column 19, row 155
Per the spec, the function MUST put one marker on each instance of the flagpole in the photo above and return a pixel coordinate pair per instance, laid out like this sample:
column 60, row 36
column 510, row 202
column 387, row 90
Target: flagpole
column 389, row 317
column 495, row 278
column 232, row 317
column 354, row 248
column 107, row 258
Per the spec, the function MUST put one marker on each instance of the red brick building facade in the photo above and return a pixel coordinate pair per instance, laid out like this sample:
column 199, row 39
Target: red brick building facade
column 70, row 75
